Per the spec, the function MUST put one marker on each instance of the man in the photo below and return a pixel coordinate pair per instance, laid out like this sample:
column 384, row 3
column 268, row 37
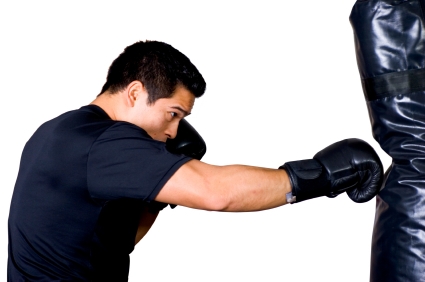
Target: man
column 92, row 181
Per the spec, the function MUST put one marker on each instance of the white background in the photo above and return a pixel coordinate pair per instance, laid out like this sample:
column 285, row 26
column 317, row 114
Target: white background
column 282, row 83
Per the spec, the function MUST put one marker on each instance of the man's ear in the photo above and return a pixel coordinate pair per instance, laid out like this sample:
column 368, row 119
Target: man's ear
column 135, row 91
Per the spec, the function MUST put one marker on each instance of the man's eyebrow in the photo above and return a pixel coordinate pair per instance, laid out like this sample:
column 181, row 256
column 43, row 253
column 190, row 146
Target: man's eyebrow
column 181, row 110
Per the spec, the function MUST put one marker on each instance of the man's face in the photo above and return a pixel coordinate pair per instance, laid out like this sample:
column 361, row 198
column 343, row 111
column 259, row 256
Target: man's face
column 161, row 119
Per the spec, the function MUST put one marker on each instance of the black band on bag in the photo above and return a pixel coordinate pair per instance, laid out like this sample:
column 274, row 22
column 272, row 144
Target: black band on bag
column 392, row 84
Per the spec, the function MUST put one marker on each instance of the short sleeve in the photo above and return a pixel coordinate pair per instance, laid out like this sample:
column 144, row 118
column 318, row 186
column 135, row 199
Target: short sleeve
column 125, row 162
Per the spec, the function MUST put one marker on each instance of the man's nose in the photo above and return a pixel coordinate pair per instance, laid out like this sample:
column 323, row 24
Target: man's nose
column 172, row 130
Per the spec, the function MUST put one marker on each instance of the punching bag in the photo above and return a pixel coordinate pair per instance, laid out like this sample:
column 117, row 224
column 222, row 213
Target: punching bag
column 389, row 40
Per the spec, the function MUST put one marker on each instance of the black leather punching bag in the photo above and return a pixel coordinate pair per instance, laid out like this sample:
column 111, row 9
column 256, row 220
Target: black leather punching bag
column 390, row 48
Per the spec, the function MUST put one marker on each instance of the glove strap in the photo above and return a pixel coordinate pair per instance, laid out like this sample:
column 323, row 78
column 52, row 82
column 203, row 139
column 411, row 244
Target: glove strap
column 308, row 180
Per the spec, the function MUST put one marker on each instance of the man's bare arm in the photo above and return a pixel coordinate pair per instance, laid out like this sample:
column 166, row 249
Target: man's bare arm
column 226, row 188
column 147, row 218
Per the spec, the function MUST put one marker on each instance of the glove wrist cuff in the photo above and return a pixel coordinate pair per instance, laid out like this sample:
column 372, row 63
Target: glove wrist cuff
column 308, row 180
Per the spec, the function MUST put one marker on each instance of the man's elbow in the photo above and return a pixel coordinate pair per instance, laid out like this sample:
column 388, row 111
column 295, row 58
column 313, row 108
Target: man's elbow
column 216, row 200
column 217, row 203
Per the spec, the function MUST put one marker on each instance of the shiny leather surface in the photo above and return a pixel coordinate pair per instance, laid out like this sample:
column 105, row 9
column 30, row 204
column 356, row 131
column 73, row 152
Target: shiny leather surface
column 187, row 142
column 390, row 37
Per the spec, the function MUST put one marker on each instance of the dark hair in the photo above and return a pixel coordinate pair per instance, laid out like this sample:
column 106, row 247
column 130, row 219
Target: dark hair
column 159, row 66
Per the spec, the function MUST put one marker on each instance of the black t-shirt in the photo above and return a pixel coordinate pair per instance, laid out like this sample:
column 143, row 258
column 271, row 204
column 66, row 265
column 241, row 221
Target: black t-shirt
column 74, row 167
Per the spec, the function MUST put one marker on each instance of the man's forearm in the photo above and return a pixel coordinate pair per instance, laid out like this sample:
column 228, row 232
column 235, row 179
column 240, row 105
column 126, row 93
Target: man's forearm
column 226, row 188
column 250, row 188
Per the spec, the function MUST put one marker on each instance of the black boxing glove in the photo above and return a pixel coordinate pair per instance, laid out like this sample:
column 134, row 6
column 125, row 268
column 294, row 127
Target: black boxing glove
column 350, row 165
column 187, row 142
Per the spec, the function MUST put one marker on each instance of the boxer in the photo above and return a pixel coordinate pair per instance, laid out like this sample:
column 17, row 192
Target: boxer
column 91, row 181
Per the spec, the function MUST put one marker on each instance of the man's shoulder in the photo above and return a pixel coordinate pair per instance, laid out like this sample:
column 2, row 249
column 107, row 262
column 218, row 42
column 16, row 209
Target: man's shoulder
column 86, row 115
column 89, row 112
column 85, row 122
column 93, row 123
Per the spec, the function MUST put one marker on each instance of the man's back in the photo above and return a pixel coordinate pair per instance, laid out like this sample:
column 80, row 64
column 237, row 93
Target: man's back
column 51, row 191
column 70, row 169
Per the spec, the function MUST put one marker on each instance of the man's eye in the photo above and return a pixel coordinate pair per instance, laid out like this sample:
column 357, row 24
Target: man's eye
column 173, row 114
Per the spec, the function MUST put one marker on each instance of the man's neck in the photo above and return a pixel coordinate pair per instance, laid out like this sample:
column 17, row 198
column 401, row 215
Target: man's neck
column 108, row 103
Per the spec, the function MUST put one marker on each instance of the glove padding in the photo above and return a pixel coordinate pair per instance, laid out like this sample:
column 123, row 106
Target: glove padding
column 350, row 165
column 187, row 142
